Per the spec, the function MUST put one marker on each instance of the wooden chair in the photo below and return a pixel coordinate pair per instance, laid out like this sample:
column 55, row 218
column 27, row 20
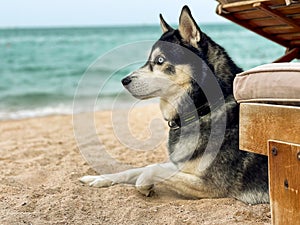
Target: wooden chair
column 270, row 113
column 276, row 20
column 273, row 130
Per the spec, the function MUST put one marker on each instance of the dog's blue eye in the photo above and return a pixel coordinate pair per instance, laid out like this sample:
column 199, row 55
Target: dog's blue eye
column 160, row 60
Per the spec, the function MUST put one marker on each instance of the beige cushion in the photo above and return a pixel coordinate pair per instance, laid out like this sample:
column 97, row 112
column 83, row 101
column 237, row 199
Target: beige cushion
column 276, row 82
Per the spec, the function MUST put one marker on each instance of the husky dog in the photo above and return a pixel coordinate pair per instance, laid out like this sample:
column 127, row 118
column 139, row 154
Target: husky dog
column 174, row 76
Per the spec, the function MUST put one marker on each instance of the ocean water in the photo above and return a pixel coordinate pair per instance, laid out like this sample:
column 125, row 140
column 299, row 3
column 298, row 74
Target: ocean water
column 41, row 69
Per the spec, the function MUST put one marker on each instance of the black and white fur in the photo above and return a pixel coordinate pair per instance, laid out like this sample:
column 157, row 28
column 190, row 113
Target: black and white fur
column 170, row 75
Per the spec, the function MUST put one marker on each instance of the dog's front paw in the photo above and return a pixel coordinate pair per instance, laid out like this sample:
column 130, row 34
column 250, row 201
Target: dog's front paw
column 96, row 181
column 146, row 190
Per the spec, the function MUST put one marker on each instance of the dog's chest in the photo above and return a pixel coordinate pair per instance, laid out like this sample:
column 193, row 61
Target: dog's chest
column 183, row 143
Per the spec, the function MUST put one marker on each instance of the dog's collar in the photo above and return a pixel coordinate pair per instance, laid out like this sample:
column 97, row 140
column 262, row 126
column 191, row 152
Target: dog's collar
column 191, row 117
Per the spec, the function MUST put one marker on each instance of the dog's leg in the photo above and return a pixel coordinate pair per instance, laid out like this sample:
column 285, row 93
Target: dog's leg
column 133, row 176
column 144, row 179
column 106, row 180
column 141, row 177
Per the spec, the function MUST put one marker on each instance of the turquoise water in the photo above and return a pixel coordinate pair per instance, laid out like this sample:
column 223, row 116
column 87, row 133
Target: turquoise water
column 40, row 69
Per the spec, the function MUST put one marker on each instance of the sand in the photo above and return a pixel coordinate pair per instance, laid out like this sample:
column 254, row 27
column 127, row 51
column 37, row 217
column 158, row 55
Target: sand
column 41, row 163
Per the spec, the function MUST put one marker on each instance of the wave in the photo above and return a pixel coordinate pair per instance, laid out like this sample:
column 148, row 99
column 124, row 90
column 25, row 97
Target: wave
column 63, row 109
column 43, row 104
column 37, row 112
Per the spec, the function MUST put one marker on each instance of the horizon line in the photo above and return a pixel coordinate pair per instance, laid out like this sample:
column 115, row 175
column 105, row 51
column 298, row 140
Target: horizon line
column 96, row 25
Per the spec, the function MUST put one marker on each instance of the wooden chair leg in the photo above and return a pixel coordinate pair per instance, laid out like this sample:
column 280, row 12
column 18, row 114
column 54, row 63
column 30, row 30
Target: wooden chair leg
column 284, row 181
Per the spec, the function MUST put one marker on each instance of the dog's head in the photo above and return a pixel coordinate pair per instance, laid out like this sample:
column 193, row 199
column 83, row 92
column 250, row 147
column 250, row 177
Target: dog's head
column 168, row 71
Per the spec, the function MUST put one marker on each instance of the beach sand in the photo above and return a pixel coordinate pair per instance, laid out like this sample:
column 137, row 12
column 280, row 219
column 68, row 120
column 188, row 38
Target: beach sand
column 41, row 163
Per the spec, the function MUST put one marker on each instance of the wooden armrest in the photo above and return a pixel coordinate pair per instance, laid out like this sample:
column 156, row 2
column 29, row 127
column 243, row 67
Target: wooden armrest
column 260, row 123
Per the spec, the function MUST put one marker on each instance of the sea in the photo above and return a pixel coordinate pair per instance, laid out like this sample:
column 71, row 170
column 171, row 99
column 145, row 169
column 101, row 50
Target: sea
column 48, row 71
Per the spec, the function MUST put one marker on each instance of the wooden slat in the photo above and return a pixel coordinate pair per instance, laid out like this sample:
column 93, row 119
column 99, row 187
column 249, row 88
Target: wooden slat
column 276, row 15
column 269, row 21
column 295, row 43
column 265, row 21
column 288, row 10
column 258, row 31
column 290, row 36
column 241, row 5
column 278, row 2
column 244, row 6
column 237, row 3
column 284, row 182
column 254, row 14
column 262, row 122
column 295, row 17
column 281, row 29
column 281, row 5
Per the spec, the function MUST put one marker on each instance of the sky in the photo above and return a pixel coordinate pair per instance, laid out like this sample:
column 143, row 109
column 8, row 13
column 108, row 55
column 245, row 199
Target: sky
column 49, row 13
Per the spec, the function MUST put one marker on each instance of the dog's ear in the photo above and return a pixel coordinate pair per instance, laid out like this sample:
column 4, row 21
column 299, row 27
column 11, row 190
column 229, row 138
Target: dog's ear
column 164, row 26
column 188, row 28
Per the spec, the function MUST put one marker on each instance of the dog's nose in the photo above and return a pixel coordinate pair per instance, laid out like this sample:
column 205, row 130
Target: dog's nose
column 126, row 81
